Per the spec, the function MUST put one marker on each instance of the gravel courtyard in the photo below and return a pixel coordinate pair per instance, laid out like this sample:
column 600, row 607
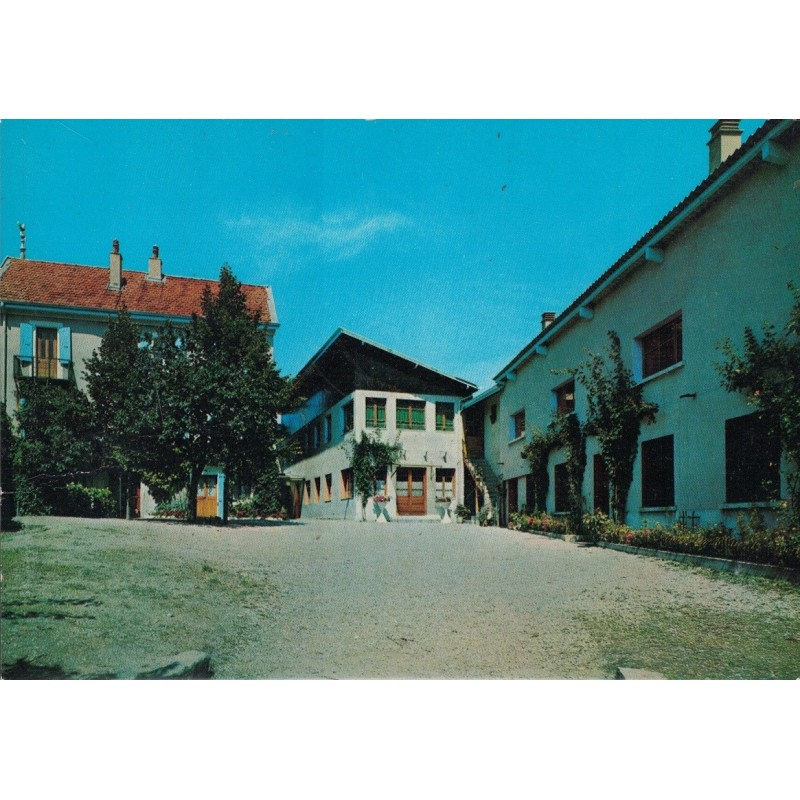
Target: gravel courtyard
column 334, row 600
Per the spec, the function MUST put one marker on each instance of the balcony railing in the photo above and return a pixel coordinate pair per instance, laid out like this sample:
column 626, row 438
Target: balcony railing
column 51, row 369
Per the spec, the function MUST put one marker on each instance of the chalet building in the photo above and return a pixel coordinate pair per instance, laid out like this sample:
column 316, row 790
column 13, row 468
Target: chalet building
column 354, row 385
column 717, row 262
column 53, row 316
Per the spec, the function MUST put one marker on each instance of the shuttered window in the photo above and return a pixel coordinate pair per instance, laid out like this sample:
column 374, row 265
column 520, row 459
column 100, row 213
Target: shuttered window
column 445, row 415
column 375, row 412
column 411, row 415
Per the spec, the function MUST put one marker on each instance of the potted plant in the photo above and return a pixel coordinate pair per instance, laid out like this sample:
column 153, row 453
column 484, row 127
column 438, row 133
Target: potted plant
column 443, row 506
column 462, row 513
column 381, row 500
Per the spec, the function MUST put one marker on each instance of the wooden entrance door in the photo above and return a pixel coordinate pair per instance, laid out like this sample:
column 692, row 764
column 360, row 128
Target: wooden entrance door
column 411, row 488
column 207, row 496
column 46, row 356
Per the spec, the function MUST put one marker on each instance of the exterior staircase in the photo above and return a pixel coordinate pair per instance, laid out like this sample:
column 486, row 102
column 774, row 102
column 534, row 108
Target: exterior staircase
column 487, row 481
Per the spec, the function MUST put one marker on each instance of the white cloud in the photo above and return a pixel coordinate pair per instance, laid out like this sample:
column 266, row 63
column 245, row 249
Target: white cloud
column 336, row 236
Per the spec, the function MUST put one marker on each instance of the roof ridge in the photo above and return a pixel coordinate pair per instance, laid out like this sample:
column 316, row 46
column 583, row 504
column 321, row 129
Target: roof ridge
column 124, row 270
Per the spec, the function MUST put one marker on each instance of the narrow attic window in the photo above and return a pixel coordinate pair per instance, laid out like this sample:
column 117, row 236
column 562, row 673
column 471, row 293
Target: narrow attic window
column 375, row 412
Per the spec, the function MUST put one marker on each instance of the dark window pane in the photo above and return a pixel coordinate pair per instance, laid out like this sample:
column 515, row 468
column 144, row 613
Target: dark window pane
column 658, row 472
column 752, row 460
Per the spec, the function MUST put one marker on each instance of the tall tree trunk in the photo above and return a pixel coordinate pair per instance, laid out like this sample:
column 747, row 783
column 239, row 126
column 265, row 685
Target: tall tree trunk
column 194, row 480
column 127, row 494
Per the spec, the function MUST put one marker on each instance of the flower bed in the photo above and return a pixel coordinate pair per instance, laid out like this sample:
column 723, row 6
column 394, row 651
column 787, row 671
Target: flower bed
column 752, row 541
column 529, row 523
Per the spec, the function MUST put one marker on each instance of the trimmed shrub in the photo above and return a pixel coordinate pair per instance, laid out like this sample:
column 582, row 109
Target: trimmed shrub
column 87, row 501
column 752, row 541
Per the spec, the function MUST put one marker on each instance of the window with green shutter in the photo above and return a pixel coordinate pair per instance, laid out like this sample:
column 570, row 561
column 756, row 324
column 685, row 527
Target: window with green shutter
column 411, row 415
column 375, row 412
column 445, row 414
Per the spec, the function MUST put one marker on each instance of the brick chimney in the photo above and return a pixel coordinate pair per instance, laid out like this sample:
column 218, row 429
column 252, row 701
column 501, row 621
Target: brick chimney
column 115, row 259
column 154, row 272
column 726, row 138
column 547, row 319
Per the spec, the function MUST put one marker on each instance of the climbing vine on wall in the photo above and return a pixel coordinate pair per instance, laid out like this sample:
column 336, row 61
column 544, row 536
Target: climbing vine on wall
column 564, row 431
column 369, row 457
column 537, row 451
column 768, row 373
column 616, row 410
column 571, row 436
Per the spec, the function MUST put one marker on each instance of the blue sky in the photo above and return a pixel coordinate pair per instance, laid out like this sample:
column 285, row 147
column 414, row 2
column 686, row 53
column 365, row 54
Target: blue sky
column 444, row 240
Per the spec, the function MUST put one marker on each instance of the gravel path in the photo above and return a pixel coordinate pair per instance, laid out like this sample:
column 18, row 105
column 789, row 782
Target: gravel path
column 328, row 600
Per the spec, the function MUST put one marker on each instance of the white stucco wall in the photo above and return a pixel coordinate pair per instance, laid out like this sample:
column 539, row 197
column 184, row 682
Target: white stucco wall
column 428, row 449
column 727, row 269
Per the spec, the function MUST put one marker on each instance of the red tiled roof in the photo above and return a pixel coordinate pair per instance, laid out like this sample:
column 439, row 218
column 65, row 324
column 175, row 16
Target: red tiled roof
column 76, row 286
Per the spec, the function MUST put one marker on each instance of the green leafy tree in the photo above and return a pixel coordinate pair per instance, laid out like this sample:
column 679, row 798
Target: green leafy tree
column 537, row 452
column 571, row 435
column 116, row 379
column 768, row 374
column 370, row 457
column 217, row 394
column 7, row 447
column 616, row 410
column 563, row 431
column 58, row 444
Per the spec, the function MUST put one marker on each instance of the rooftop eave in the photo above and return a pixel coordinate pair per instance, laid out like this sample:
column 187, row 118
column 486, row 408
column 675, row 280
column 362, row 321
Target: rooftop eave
column 651, row 251
column 363, row 340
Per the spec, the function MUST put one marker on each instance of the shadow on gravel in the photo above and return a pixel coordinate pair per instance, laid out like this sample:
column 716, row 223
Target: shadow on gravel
column 216, row 522
column 24, row 670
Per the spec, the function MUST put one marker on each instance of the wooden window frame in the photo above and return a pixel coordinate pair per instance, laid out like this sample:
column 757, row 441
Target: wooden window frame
column 328, row 486
column 404, row 415
column 662, row 347
column 45, row 366
column 444, row 423
column 375, row 404
column 317, row 489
